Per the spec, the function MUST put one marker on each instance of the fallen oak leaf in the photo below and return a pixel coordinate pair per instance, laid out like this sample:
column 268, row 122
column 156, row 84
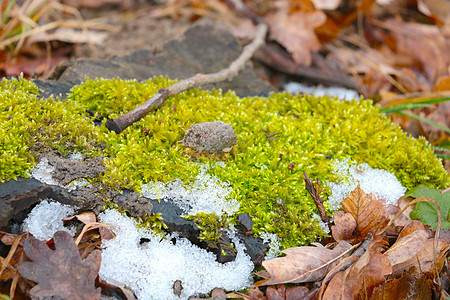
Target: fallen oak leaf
column 60, row 272
column 303, row 264
column 366, row 210
column 92, row 226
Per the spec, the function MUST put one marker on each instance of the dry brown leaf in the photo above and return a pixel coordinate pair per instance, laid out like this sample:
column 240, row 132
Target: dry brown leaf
column 412, row 226
column 295, row 31
column 409, row 286
column 60, row 272
column 85, row 217
column 344, row 225
column 424, row 44
column 366, row 210
column 358, row 280
column 403, row 256
column 303, row 264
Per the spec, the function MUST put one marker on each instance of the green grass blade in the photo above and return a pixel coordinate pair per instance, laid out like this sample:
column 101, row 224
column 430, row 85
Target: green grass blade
column 400, row 107
column 417, row 117
column 8, row 8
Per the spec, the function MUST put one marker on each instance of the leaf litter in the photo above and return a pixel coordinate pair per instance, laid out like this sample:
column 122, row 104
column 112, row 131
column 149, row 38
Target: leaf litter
column 371, row 265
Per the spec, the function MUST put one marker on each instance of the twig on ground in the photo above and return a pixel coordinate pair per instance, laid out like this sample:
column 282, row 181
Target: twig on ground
column 156, row 101
column 314, row 191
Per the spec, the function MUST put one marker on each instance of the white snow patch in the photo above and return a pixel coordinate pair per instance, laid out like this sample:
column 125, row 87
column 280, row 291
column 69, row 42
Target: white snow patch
column 340, row 93
column 43, row 172
column 46, row 218
column 381, row 183
column 151, row 269
column 322, row 224
column 274, row 244
column 206, row 194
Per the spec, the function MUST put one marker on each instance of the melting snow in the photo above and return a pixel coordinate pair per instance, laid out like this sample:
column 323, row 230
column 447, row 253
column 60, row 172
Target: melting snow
column 206, row 194
column 46, row 219
column 381, row 183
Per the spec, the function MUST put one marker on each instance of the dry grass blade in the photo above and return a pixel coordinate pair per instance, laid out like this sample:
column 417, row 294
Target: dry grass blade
column 91, row 226
column 26, row 25
column 11, row 252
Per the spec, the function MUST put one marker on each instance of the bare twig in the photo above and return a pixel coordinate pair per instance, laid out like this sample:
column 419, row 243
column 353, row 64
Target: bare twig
column 314, row 191
column 156, row 101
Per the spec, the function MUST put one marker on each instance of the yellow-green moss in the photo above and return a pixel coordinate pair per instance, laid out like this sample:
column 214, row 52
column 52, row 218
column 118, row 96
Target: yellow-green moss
column 310, row 130
column 29, row 126
column 211, row 226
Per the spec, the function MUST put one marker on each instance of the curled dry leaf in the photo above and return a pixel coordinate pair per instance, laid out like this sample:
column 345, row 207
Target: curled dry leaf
column 295, row 31
column 422, row 258
column 85, row 217
column 366, row 210
column 302, row 264
column 60, row 272
column 367, row 272
column 409, row 286
column 344, row 225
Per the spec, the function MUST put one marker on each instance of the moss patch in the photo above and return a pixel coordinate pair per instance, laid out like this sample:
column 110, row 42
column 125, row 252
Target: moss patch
column 264, row 170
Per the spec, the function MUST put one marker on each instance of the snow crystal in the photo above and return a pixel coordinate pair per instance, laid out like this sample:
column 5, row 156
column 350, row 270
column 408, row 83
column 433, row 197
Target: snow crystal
column 381, row 183
column 322, row 224
column 43, row 172
column 274, row 244
column 76, row 156
column 151, row 269
column 206, row 194
column 340, row 93
column 46, row 219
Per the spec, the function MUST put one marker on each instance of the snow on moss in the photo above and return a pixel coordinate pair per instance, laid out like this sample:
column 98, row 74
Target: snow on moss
column 381, row 183
column 205, row 194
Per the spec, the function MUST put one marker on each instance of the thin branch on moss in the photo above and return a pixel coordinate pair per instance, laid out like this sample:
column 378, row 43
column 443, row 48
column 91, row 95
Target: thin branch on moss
column 314, row 191
column 120, row 124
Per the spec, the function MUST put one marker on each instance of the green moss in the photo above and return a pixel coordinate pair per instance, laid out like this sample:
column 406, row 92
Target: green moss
column 310, row 129
column 211, row 227
column 29, row 126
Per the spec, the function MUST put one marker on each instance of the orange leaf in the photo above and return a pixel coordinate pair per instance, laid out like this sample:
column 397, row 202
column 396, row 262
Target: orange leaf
column 303, row 264
column 366, row 210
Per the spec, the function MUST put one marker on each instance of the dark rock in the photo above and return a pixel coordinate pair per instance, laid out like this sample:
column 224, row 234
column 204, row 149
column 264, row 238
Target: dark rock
column 17, row 197
column 136, row 205
column 171, row 214
column 203, row 49
column 54, row 88
column 256, row 249
column 245, row 223
column 226, row 251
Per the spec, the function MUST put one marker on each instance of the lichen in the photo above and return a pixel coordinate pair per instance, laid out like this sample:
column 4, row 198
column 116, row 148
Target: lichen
column 265, row 170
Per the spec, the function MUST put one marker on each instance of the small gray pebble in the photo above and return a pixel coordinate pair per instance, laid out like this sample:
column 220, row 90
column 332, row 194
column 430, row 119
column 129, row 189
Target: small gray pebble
column 212, row 137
